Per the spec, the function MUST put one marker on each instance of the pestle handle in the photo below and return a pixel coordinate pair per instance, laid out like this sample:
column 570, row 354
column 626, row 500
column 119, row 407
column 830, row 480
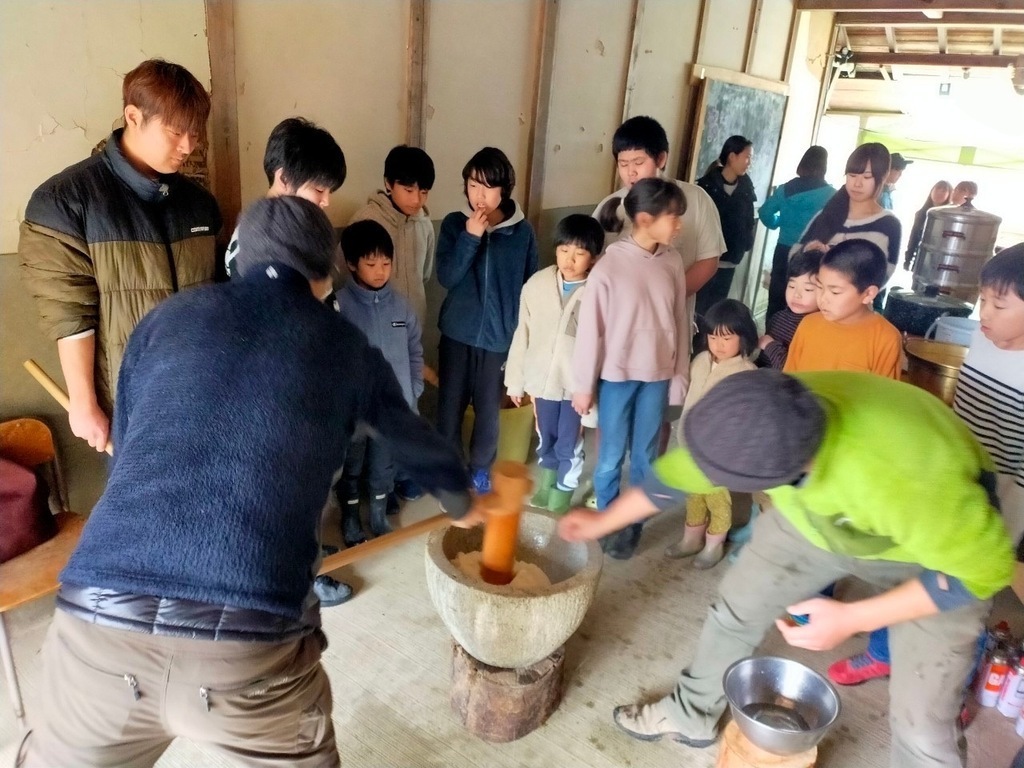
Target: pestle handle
column 510, row 482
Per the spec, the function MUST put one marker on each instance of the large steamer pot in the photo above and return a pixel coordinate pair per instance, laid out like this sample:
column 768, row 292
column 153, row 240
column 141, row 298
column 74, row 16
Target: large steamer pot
column 956, row 243
column 914, row 313
column 935, row 366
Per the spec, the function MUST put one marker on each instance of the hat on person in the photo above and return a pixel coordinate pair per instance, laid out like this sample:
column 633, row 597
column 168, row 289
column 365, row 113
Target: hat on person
column 755, row 430
column 898, row 162
column 287, row 230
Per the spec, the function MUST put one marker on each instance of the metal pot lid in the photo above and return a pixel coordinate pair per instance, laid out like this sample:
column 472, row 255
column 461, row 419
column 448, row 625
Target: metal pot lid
column 963, row 214
column 930, row 302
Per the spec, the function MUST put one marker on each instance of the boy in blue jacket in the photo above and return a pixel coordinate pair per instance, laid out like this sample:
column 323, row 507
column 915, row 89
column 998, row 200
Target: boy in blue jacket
column 369, row 302
column 484, row 255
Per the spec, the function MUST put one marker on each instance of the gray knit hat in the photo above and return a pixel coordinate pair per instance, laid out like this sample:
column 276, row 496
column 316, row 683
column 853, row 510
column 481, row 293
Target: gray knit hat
column 287, row 230
column 755, row 430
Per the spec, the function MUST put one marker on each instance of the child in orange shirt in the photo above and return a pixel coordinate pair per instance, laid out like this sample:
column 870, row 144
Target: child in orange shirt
column 847, row 335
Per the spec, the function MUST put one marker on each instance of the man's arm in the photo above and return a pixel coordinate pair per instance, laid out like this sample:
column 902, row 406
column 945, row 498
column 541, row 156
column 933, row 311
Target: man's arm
column 87, row 419
column 699, row 274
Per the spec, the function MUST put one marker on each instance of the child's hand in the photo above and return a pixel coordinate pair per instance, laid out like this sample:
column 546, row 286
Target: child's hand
column 582, row 403
column 816, row 245
column 476, row 224
column 517, row 400
column 581, row 525
column 827, row 625
column 764, row 341
column 430, row 376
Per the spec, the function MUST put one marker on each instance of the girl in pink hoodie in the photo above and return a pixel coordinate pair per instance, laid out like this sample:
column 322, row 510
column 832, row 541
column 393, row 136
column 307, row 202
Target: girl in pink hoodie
column 633, row 344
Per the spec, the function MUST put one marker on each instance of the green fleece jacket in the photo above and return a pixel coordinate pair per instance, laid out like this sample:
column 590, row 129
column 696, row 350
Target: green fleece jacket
column 898, row 477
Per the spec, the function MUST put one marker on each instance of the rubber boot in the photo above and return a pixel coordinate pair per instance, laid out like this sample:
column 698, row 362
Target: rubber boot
column 714, row 550
column 379, row 524
column 545, row 484
column 691, row 543
column 351, row 529
column 559, row 501
column 627, row 542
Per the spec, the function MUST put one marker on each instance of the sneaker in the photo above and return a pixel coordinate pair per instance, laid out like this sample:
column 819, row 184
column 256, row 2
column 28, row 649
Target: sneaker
column 648, row 722
column 331, row 591
column 858, row 669
column 481, row 481
column 407, row 490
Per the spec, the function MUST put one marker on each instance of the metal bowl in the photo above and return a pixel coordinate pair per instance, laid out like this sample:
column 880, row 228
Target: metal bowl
column 780, row 705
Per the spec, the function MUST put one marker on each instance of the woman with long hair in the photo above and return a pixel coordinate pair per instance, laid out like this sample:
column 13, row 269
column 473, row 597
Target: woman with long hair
column 731, row 190
column 940, row 195
column 789, row 210
column 854, row 211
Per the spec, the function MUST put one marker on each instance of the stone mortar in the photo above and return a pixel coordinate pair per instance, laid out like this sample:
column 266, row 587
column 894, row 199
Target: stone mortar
column 506, row 627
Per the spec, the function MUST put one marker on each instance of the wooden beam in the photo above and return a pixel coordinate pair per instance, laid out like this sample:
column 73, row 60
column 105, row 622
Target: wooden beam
column 415, row 73
column 890, row 39
column 755, row 23
column 933, row 60
column 943, row 39
column 223, row 133
column 634, row 53
column 895, row 6
column 828, row 81
column 537, row 151
column 918, row 19
column 997, row 41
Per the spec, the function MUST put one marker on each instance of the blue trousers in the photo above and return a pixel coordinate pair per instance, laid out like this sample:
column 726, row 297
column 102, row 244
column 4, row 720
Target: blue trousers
column 561, row 441
column 629, row 415
column 878, row 645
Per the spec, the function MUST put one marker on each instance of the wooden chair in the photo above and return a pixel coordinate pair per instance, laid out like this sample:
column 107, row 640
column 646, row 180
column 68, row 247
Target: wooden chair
column 33, row 574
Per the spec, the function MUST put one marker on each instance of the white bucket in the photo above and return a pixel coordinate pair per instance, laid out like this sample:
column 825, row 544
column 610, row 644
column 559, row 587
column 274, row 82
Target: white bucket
column 953, row 330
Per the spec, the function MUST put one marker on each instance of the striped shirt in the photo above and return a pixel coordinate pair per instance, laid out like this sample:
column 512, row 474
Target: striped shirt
column 883, row 229
column 781, row 327
column 990, row 399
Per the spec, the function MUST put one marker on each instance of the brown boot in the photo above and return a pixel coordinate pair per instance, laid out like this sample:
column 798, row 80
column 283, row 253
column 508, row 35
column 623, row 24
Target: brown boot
column 691, row 543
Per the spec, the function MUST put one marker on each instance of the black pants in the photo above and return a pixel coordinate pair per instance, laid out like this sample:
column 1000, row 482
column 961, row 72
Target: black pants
column 714, row 290
column 777, row 284
column 372, row 456
column 470, row 375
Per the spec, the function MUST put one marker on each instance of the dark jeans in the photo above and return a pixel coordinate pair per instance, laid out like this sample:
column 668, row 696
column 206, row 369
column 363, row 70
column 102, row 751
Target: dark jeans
column 371, row 455
column 777, row 283
column 714, row 290
column 470, row 375
column 561, row 441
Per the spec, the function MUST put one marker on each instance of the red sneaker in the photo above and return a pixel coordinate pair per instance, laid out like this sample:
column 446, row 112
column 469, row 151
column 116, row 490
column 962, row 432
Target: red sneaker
column 858, row 669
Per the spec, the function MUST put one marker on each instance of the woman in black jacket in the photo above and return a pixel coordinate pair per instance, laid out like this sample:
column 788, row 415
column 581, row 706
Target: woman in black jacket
column 940, row 195
column 733, row 193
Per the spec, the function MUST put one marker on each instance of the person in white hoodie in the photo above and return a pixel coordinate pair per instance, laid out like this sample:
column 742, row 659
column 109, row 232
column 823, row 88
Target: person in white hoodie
column 540, row 358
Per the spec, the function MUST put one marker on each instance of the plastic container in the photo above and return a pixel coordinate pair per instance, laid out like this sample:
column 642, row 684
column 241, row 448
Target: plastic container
column 953, row 330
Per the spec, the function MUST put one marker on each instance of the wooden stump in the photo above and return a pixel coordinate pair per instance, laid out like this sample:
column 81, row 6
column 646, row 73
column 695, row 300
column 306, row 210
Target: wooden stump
column 737, row 752
column 500, row 705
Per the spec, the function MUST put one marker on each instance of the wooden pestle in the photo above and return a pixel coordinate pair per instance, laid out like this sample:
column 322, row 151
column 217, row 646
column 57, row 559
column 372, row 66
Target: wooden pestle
column 510, row 483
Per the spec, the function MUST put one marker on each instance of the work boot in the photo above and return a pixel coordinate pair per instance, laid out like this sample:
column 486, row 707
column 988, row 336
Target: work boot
column 544, row 487
column 351, row 528
column 712, row 553
column 651, row 722
column 628, row 539
column 691, row 543
column 559, row 500
column 379, row 524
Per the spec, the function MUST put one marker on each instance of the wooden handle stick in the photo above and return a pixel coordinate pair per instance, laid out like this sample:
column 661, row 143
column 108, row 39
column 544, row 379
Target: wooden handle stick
column 55, row 391
column 379, row 544
column 510, row 481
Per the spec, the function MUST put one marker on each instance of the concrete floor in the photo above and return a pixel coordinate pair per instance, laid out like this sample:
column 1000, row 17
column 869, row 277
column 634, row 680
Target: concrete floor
column 389, row 667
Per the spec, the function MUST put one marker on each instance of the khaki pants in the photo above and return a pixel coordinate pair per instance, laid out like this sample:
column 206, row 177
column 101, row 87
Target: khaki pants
column 118, row 698
column 930, row 657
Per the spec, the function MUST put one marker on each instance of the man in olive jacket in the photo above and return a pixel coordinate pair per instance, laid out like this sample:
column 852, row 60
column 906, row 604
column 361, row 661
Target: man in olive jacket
column 107, row 239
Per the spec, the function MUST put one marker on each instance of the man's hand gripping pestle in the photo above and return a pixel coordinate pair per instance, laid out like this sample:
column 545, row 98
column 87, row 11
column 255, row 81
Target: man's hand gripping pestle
column 510, row 484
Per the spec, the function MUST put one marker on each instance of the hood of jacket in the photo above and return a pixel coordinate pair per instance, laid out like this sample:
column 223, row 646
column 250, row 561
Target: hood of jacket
column 381, row 200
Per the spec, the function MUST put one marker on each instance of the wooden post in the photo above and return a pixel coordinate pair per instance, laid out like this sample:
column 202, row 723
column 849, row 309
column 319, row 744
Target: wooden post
column 223, row 134
column 736, row 751
column 415, row 128
column 536, row 155
column 501, row 705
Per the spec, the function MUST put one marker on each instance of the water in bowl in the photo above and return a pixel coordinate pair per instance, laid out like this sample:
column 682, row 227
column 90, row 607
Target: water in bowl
column 776, row 716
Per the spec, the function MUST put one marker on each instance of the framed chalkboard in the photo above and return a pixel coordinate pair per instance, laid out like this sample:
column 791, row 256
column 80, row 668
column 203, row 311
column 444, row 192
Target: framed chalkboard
column 731, row 103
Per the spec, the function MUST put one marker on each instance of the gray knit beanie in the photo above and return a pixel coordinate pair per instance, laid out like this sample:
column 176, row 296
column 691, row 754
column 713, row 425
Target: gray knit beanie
column 755, row 430
column 286, row 230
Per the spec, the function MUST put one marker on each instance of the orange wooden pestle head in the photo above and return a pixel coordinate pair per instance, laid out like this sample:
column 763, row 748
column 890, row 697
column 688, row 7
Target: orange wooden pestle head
column 510, row 483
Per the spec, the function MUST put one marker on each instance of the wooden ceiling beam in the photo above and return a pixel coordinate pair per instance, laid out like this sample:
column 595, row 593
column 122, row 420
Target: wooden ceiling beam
column 933, row 60
column 891, row 6
column 890, row 39
column 943, row 40
column 997, row 41
column 917, row 19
